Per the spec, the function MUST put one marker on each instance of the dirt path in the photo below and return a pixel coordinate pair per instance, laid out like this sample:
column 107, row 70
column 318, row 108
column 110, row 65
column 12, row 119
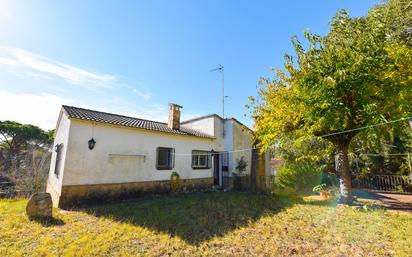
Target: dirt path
column 391, row 201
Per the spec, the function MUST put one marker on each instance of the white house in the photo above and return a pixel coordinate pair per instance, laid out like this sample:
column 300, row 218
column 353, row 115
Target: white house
column 98, row 154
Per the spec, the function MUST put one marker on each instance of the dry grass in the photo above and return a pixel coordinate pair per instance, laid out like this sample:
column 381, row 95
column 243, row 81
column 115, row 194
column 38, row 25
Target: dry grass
column 237, row 224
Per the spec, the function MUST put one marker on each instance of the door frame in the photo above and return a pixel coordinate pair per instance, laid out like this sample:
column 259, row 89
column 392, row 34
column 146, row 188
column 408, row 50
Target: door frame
column 217, row 169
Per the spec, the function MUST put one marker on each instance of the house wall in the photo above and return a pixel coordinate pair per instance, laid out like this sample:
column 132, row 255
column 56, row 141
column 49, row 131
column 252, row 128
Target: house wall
column 205, row 125
column 227, row 139
column 124, row 155
column 230, row 136
column 220, row 134
column 242, row 139
column 213, row 126
column 54, row 183
column 228, row 145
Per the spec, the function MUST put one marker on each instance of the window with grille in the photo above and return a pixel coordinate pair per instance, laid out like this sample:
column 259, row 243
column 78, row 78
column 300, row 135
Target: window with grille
column 200, row 159
column 165, row 158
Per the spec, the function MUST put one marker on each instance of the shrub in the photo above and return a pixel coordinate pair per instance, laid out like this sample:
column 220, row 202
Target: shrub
column 320, row 188
column 28, row 171
column 241, row 165
column 299, row 175
column 175, row 182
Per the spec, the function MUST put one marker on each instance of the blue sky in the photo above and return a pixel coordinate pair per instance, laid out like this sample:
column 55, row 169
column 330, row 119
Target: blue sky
column 134, row 57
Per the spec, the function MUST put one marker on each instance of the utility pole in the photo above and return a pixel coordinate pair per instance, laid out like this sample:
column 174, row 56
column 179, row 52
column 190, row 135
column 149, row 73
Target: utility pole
column 222, row 71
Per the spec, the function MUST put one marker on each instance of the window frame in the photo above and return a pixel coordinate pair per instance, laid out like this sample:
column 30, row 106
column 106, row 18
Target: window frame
column 208, row 160
column 58, row 148
column 171, row 158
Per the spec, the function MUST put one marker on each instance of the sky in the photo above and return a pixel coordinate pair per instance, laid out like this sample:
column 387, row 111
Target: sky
column 135, row 57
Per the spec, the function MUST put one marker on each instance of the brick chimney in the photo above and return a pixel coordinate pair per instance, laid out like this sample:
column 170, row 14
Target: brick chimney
column 174, row 116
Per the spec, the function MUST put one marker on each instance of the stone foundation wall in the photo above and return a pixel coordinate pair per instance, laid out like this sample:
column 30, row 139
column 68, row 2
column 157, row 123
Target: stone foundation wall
column 80, row 194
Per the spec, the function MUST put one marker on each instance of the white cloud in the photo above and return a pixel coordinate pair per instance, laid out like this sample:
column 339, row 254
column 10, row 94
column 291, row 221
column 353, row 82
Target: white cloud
column 41, row 110
column 117, row 105
column 145, row 96
column 156, row 112
column 23, row 63
column 27, row 63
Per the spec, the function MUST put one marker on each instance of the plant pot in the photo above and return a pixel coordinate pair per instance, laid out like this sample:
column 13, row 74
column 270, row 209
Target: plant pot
column 324, row 195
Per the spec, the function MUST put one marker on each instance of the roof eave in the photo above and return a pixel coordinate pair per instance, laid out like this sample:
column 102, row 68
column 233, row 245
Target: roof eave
column 150, row 130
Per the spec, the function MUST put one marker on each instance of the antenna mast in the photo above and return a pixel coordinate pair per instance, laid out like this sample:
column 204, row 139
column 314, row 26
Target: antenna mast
column 222, row 71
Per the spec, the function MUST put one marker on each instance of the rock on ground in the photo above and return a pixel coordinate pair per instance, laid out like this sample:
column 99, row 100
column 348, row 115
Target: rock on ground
column 40, row 205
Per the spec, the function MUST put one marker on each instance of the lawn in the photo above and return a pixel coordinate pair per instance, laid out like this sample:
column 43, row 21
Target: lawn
column 207, row 224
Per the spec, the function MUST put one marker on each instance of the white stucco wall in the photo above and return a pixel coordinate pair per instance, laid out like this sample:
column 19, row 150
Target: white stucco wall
column 104, row 165
column 211, row 125
column 220, row 134
column 242, row 139
column 205, row 125
column 61, row 137
column 229, row 136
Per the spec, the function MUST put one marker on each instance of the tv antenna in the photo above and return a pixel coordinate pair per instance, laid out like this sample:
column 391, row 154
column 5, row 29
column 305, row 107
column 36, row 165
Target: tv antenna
column 222, row 71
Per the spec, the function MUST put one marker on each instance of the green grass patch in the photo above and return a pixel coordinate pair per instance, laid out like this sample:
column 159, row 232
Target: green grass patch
column 207, row 224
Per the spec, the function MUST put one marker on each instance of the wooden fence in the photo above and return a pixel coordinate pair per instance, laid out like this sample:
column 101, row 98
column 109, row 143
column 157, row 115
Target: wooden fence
column 266, row 183
column 389, row 183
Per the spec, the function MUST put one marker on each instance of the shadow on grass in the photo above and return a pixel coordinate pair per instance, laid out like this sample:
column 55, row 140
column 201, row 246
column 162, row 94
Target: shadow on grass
column 48, row 222
column 333, row 202
column 326, row 203
column 193, row 217
column 370, row 195
column 387, row 200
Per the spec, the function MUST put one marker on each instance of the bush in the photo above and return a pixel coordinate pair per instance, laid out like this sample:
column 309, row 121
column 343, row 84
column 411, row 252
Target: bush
column 28, row 171
column 175, row 182
column 320, row 188
column 300, row 175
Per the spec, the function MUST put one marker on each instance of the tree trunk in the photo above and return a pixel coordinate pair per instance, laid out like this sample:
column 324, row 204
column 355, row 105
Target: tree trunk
column 344, row 172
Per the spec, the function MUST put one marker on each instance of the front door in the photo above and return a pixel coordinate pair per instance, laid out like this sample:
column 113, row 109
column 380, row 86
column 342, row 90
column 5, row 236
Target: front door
column 216, row 169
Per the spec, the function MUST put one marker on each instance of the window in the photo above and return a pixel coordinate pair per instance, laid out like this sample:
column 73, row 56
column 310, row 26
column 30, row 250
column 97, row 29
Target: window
column 165, row 158
column 200, row 159
column 225, row 161
column 58, row 149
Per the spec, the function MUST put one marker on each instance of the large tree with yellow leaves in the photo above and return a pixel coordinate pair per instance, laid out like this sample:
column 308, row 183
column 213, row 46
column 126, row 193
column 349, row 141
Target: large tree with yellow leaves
column 359, row 74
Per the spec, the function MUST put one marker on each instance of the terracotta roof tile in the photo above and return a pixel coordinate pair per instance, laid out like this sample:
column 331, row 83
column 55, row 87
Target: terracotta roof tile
column 115, row 119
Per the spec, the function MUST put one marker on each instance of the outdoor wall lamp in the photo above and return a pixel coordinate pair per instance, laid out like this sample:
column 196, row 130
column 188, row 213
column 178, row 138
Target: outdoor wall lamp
column 91, row 143
column 57, row 147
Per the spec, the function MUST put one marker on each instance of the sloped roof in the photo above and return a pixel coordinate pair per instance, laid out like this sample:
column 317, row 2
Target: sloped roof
column 120, row 120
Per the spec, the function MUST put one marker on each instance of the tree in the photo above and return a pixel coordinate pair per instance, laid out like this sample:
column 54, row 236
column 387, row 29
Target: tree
column 16, row 136
column 359, row 74
column 388, row 154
